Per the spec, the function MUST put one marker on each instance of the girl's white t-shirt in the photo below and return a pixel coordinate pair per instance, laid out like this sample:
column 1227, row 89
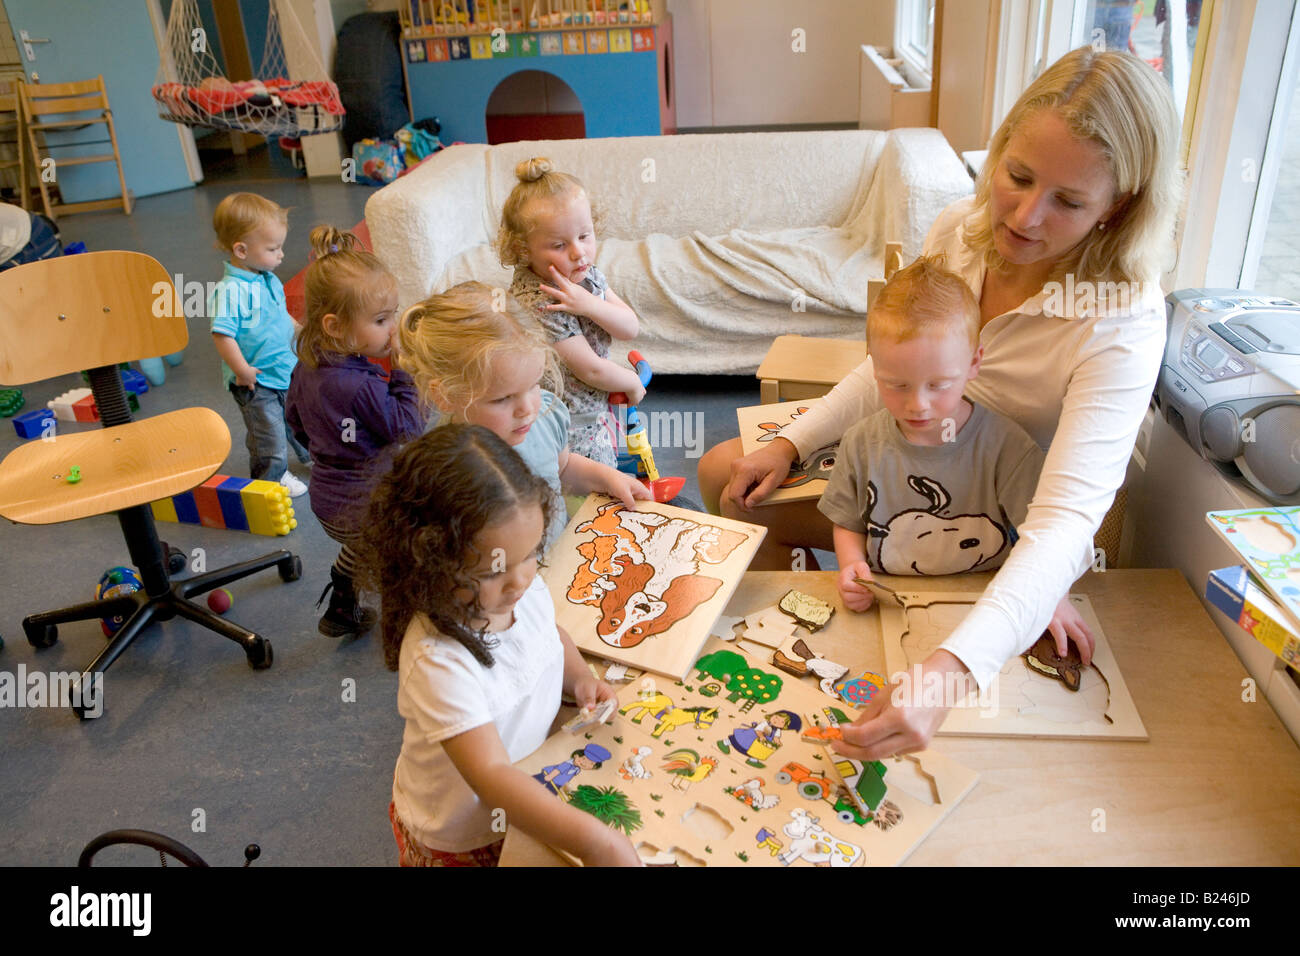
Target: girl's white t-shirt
column 444, row 692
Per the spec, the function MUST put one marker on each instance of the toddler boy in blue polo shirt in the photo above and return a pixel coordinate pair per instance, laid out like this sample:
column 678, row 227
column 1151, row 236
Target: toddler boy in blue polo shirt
column 253, row 331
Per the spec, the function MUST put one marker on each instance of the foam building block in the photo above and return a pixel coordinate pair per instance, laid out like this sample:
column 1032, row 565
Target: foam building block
column 238, row 504
column 32, row 424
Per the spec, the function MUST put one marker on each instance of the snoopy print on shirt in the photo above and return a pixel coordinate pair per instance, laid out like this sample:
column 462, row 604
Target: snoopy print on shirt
column 934, row 509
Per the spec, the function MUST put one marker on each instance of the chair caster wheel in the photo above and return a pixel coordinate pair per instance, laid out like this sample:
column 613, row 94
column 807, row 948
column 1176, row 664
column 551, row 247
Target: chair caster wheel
column 175, row 558
column 290, row 568
column 41, row 635
column 259, row 654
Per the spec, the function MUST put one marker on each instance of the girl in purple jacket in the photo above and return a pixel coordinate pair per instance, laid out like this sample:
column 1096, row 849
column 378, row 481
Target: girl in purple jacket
column 343, row 407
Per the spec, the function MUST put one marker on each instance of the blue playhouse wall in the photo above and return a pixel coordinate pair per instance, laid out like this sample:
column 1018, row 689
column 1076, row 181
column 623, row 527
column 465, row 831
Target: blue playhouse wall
column 622, row 83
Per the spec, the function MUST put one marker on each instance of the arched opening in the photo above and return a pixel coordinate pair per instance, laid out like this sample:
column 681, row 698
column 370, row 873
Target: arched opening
column 534, row 104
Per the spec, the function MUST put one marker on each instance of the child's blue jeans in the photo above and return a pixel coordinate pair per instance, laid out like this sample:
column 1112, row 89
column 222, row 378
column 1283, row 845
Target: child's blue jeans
column 268, row 438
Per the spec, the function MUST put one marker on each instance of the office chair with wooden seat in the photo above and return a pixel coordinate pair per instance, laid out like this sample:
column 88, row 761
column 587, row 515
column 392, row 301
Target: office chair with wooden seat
column 93, row 311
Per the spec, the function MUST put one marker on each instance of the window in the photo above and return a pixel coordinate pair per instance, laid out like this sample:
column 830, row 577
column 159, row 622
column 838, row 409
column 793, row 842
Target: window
column 914, row 34
column 1161, row 32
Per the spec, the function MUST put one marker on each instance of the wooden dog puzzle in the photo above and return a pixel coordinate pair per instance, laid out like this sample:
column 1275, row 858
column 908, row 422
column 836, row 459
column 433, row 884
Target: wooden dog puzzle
column 645, row 587
column 1043, row 697
column 712, row 770
column 1268, row 539
column 760, row 424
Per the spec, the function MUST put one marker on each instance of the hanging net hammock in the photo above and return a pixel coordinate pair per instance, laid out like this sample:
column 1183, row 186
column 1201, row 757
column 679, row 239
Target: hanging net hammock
column 193, row 90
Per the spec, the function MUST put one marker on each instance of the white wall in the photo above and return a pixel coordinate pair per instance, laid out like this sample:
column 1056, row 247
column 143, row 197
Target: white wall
column 735, row 65
column 965, row 90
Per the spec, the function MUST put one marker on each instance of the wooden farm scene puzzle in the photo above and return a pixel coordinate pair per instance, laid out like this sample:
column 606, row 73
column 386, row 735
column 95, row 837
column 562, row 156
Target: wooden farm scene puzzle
column 1037, row 694
column 728, row 767
column 1268, row 540
column 759, row 424
column 644, row 587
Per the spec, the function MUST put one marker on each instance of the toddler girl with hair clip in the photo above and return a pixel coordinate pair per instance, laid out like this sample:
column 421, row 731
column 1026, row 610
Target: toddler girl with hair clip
column 343, row 407
column 487, row 366
column 453, row 542
column 547, row 234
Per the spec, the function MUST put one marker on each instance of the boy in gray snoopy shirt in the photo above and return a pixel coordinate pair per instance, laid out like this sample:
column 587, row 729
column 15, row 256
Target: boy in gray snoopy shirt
column 932, row 483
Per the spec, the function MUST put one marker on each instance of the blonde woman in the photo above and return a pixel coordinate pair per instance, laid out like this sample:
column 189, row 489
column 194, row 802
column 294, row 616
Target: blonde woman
column 1062, row 244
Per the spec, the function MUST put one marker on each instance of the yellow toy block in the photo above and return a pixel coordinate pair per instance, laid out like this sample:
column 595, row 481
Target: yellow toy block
column 164, row 510
column 266, row 505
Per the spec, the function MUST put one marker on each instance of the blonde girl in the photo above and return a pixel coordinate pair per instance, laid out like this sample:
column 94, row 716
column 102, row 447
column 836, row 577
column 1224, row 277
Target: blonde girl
column 342, row 405
column 548, row 235
column 482, row 358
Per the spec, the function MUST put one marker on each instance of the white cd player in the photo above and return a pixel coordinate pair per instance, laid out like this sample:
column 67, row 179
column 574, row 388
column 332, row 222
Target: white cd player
column 1230, row 385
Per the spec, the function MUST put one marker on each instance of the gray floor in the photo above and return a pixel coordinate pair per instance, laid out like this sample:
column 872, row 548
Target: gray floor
column 192, row 742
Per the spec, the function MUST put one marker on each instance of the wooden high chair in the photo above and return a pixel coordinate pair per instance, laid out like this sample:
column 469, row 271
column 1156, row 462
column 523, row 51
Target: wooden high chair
column 48, row 106
column 94, row 311
column 11, row 117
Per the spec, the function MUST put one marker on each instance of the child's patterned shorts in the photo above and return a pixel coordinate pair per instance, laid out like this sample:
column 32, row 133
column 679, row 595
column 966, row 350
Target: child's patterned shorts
column 411, row 852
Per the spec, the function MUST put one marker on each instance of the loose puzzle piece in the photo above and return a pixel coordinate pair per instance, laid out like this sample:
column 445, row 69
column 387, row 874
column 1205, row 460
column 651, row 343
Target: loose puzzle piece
column 796, row 657
column 617, row 673
column 861, row 690
column 661, row 777
column 591, row 715
column 882, row 592
column 1044, row 659
column 807, row 610
column 724, row 628
column 762, row 617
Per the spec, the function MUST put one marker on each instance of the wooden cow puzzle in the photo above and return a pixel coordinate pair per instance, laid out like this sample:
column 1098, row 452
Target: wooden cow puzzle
column 712, row 770
column 760, row 424
column 645, row 587
column 1036, row 694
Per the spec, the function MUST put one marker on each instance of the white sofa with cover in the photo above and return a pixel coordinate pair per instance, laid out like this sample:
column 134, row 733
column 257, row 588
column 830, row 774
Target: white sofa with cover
column 720, row 242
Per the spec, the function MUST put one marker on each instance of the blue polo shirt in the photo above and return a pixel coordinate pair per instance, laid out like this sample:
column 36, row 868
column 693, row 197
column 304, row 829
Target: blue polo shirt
column 249, row 307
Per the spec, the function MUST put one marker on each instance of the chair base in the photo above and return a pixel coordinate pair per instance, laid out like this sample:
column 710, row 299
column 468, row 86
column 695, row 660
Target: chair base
column 145, row 609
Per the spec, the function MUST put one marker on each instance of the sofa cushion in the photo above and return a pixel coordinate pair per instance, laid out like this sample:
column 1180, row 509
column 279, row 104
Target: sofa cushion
column 718, row 182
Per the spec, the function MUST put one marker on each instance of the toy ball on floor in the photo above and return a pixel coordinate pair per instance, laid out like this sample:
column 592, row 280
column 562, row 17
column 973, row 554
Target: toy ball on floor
column 220, row 600
column 116, row 582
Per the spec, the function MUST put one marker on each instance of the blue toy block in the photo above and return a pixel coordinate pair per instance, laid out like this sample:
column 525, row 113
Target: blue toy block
column 34, row 423
column 133, row 381
column 232, row 502
column 187, row 510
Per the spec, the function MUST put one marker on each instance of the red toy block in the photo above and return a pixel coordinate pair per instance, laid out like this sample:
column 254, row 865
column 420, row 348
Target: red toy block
column 85, row 410
column 208, row 501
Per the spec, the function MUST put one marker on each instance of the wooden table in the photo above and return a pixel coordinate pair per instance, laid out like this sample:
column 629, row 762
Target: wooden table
column 1217, row 784
column 798, row 366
